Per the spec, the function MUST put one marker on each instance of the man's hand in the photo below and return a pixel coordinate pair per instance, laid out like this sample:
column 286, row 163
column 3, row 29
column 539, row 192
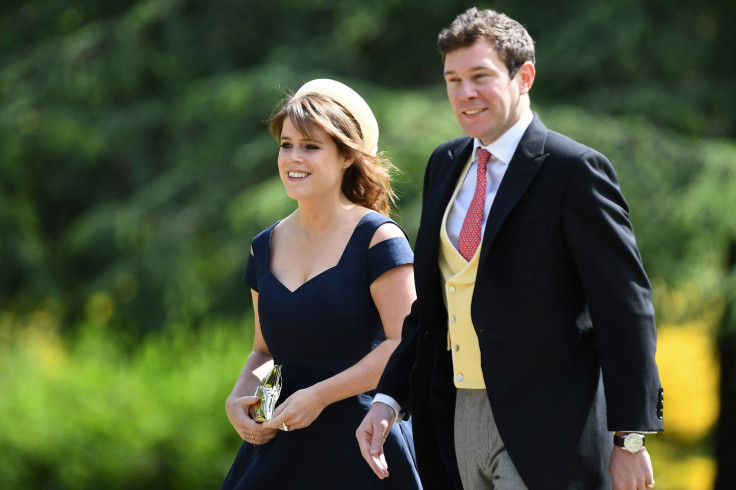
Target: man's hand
column 631, row 471
column 372, row 434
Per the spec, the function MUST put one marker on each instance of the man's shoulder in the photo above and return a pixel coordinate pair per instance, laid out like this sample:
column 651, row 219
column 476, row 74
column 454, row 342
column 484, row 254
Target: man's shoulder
column 449, row 149
column 564, row 146
column 562, row 140
column 454, row 144
column 566, row 153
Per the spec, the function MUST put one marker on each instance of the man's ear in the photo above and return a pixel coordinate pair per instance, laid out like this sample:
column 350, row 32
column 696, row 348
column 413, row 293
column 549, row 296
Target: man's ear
column 526, row 76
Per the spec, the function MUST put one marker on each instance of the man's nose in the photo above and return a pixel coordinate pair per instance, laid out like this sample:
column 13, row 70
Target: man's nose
column 467, row 91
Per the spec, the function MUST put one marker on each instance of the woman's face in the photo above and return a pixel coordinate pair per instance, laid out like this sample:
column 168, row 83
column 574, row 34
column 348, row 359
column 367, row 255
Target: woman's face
column 310, row 167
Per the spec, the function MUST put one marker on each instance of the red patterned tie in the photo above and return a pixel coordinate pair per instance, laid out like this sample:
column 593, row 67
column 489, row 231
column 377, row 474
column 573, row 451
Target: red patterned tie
column 469, row 238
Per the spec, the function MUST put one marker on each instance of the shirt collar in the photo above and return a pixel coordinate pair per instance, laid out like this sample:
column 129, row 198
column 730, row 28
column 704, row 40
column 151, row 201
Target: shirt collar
column 504, row 147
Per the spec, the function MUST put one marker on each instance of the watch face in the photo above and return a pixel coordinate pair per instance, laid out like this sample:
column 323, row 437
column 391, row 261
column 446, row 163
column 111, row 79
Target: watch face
column 633, row 442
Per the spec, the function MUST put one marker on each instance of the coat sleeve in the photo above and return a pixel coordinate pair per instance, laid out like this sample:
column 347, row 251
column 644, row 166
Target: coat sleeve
column 397, row 374
column 396, row 378
column 617, row 291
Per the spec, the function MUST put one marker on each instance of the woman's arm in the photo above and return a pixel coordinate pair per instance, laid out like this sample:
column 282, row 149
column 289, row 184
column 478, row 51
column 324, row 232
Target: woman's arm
column 241, row 400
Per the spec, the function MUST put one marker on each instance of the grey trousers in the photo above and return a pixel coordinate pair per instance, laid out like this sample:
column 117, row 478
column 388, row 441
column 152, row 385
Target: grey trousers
column 481, row 456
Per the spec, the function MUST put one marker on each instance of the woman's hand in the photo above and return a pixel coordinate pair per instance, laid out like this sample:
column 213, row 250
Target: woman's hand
column 239, row 411
column 297, row 411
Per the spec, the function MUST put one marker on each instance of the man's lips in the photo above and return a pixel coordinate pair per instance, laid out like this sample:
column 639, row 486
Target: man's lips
column 473, row 112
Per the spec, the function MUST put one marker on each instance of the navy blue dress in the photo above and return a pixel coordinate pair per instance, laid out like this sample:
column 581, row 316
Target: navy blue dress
column 322, row 328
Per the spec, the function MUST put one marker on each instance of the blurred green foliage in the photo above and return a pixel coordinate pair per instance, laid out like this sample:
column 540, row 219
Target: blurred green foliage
column 136, row 165
column 91, row 416
column 134, row 152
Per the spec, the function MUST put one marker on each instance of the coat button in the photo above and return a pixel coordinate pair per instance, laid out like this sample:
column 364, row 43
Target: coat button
column 456, row 347
column 459, row 377
column 452, row 318
column 452, row 289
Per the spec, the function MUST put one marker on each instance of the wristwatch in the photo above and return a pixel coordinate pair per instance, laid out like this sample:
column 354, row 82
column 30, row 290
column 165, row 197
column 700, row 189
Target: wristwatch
column 633, row 442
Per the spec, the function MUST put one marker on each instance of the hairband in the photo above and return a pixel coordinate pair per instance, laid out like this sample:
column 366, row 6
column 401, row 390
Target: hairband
column 350, row 100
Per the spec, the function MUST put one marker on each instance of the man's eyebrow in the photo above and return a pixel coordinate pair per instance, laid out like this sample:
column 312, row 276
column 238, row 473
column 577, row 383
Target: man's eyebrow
column 475, row 68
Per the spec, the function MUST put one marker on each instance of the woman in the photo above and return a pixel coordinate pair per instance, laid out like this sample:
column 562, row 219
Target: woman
column 331, row 285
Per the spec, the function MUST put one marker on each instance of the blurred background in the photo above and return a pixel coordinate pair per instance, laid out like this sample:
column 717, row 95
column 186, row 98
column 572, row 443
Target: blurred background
column 136, row 166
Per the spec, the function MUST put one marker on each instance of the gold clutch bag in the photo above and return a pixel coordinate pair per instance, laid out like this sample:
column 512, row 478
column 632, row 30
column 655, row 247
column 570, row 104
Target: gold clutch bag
column 268, row 391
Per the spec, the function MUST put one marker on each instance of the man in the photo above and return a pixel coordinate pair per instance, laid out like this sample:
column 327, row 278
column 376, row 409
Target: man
column 533, row 335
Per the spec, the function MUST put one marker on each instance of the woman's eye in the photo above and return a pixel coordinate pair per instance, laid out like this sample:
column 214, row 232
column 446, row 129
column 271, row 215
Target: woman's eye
column 285, row 145
column 312, row 147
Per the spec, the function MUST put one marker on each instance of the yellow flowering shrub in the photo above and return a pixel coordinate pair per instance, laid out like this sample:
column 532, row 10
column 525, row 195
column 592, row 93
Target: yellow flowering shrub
column 689, row 371
column 676, row 471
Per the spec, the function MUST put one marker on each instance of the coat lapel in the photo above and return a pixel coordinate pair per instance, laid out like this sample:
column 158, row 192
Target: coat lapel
column 524, row 165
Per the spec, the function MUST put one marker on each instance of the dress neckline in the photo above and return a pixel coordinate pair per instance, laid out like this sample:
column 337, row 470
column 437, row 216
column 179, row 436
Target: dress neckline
column 321, row 273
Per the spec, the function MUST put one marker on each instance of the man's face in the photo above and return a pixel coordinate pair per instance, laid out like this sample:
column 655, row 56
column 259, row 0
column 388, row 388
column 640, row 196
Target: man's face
column 486, row 101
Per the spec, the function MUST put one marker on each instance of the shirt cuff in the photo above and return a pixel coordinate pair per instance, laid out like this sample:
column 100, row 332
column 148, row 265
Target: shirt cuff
column 398, row 412
column 637, row 431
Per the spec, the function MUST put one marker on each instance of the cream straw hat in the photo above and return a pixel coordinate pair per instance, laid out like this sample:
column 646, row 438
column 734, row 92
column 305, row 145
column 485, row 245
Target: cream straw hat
column 350, row 100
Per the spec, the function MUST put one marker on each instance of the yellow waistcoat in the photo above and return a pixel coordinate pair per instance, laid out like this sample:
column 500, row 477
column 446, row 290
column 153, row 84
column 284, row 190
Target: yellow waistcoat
column 458, row 277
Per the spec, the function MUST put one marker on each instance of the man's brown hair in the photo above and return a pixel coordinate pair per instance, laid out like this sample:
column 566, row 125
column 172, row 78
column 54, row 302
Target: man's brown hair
column 513, row 42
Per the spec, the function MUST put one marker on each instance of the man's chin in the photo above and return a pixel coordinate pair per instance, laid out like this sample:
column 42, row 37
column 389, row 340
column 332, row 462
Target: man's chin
column 476, row 133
